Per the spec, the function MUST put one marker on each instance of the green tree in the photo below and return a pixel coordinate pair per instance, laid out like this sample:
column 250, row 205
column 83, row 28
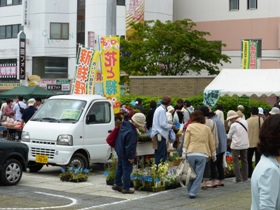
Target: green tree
column 170, row 48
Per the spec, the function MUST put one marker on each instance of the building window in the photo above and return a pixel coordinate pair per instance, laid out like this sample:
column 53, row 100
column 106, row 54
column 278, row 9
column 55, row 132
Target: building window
column 120, row 2
column 9, row 31
column 59, row 31
column 4, row 3
column 50, row 67
column 252, row 4
column 259, row 50
column 233, row 5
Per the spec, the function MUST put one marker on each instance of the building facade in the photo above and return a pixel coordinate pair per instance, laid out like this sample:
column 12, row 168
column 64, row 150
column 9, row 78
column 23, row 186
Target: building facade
column 52, row 30
column 231, row 21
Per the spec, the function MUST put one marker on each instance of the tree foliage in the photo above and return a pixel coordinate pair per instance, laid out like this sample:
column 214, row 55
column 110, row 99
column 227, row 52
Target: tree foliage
column 170, row 48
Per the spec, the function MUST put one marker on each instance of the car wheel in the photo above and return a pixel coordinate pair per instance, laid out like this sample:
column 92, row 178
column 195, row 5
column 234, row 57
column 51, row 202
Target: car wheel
column 33, row 168
column 78, row 161
column 11, row 172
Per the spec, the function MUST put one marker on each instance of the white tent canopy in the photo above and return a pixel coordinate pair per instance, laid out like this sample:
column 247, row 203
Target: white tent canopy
column 246, row 82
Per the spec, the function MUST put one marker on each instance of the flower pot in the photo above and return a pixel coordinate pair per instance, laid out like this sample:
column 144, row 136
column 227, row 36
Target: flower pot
column 110, row 182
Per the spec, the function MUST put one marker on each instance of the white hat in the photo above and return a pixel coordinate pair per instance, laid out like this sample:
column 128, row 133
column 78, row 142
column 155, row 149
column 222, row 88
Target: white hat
column 274, row 110
column 170, row 108
column 139, row 119
column 31, row 102
column 231, row 114
column 260, row 110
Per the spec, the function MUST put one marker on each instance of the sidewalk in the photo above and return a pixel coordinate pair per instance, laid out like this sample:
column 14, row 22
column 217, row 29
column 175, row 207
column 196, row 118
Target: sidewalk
column 232, row 196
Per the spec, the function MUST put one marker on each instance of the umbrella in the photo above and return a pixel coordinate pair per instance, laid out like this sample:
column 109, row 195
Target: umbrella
column 27, row 92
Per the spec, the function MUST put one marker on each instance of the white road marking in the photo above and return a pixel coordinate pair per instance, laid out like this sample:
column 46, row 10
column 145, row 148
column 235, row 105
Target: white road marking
column 124, row 201
column 74, row 202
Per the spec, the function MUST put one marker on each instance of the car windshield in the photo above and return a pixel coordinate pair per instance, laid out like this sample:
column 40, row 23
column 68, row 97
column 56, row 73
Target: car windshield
column 60, row 110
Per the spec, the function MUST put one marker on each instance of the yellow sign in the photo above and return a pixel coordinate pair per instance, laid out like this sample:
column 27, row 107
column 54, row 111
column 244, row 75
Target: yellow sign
column 110, row 49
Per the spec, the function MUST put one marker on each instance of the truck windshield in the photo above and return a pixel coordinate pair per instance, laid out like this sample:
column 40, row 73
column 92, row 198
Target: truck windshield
column 60, row 110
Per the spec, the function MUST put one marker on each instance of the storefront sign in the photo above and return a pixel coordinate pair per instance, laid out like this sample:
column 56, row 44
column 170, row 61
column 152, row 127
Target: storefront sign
column 63, row 81
column 8, row 70
column 25, row 13
column 53, row 87
column 22, row 54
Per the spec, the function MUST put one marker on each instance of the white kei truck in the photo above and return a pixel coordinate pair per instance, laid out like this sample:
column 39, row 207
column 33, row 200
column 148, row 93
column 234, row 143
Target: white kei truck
column 71, row 130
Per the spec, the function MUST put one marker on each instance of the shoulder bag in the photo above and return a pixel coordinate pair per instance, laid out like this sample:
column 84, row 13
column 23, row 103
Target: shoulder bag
column 185, row 172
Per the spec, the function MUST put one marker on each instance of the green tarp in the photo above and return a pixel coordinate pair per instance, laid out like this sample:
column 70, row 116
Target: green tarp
column 27, row 92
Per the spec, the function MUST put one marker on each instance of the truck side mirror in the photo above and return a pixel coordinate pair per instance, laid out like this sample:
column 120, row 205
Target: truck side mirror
column 91, row 118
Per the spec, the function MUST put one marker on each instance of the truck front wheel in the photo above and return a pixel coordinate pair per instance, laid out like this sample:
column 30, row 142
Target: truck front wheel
column 78, row 161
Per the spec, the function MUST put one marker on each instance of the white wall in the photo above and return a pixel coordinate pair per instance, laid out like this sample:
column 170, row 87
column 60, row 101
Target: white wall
column 209, row 10
column 159, row 10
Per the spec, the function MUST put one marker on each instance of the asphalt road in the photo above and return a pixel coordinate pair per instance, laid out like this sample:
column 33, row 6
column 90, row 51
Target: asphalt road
column 44, row 190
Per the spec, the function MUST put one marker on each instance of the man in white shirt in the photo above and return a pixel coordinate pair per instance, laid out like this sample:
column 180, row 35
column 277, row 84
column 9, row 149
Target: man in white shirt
column 238, row 133
column 16, row 107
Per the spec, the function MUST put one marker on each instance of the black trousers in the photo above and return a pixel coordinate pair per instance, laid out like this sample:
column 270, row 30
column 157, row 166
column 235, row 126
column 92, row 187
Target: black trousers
column 250, row 154
column 217, row 166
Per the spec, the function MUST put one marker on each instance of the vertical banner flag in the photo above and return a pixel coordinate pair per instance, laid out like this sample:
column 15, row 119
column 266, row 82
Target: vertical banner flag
column 253, row 50
column 93, row 67
column 82, row 69
column 249, row 54
column 245, row 48
column 134, row 13
column 110, row 52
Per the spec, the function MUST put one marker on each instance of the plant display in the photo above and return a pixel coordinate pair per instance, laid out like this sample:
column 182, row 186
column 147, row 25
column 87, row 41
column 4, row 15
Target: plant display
column 111, row 168
column 150, row 176
column 74, row 175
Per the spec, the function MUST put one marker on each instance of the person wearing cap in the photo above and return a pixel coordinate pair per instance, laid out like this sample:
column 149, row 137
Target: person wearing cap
column 240, row 112
column 254, row 126
column 170, row 111
column 238, row 134
column 261, row 113
column 28, row 112
column 274, row 111
column 125, row 147
column 160, row 131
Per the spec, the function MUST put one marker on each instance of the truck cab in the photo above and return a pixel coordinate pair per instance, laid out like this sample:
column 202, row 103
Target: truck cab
column 69, row 130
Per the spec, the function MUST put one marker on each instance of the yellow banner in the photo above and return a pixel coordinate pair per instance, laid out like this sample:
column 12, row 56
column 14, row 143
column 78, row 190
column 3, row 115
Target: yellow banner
column 93, row 68
column 110, row 53
column 245, row 56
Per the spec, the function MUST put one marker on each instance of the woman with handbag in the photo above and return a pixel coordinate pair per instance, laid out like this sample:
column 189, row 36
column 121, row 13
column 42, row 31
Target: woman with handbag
column 198, row 147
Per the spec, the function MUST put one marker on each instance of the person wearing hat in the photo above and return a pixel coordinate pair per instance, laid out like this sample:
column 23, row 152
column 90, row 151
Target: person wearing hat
column 254, row 126
column 28, row 112
column 160, row 131
column 274, row 110
column 238, row 134
column 240, row 111
column 170, row 111
column 125, row 147
column 261, row 113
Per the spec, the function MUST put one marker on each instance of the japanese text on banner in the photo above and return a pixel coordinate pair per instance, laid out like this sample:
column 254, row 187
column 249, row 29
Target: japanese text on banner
column 82, row 70
column 110, row 49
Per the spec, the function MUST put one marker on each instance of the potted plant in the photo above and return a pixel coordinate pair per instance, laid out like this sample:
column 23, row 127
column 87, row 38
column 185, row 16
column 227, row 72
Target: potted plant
column 74, row 175
column 110, row 170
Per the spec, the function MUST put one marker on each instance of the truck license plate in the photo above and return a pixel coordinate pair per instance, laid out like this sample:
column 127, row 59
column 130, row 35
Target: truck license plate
column 41, row 159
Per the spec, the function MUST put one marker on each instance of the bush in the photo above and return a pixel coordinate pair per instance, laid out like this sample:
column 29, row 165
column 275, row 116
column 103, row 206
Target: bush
column 229, row 103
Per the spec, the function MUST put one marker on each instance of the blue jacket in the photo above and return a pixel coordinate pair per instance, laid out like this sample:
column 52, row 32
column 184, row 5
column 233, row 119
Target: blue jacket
column 222, row 136
column 126, row 141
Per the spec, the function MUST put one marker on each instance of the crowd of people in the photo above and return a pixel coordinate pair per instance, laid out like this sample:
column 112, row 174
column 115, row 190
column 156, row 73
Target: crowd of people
column 19, row 111
column 207, row 135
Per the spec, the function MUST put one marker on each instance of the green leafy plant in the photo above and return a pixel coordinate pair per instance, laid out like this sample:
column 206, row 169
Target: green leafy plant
column 111, row 168
column 74, row 175
column 173, row 157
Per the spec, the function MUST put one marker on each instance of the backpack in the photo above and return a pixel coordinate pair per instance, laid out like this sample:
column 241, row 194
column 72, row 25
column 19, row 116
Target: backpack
column 20, row 109
column 111, row 138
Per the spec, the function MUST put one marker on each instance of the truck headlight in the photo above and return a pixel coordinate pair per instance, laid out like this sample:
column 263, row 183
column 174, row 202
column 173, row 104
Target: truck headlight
column 25, row 136
column 65, row 139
